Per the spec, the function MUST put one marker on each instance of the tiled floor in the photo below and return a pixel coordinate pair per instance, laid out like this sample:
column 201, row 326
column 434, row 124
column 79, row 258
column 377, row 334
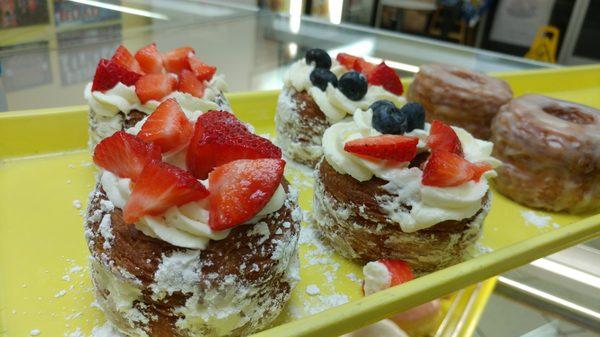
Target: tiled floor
column 504, row 317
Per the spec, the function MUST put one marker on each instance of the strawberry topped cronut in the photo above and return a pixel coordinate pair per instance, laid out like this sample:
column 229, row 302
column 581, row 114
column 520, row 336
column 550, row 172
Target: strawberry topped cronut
column 394, row 187
column 192, row 228
column 319, row 91
column 129, row 86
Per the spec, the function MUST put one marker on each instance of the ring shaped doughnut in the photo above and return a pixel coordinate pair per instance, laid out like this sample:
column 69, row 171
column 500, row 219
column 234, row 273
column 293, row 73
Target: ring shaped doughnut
column 551, row 153
column 460, row 97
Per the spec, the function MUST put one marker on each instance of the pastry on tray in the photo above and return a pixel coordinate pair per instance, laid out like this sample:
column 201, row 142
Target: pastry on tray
column 551, row 153
column 129, row 86
column 459, row 97
column 319, row 92
column 192, row 228
column 392, row 186
column 382, row 274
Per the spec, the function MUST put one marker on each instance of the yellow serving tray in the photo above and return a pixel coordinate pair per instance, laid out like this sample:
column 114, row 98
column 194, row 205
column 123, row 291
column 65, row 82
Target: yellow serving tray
column 45, row 172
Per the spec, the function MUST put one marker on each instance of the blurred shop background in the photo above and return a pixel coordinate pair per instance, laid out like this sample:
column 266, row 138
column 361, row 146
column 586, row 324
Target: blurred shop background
column 49, row 50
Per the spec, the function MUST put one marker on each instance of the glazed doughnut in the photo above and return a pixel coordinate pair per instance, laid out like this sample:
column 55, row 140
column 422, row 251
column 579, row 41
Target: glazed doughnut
column 459, row 97
column 551, row 153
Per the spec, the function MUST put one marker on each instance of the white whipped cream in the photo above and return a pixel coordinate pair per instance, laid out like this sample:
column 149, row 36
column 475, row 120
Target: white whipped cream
column 123, row 98
column 334, row 104
column 377, row 277
column 429, row 205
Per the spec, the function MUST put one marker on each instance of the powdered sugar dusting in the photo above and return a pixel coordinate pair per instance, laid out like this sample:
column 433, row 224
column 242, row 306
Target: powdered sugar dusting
column 538, row 220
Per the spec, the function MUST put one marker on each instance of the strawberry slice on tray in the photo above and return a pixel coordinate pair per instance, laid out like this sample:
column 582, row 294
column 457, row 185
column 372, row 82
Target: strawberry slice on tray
column 150, row 59
column 443, row 137
column 168, row 127
column 240, row 189
column 109, row 73
column 220, row 138
column 125, row 155
column 177, row 59
column 388, row 147
column 161, row 186
column 154, row 86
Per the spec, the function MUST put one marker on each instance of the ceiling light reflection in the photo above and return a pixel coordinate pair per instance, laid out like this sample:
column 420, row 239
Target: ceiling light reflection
column 335, row 11
column 292, row 49
column 123, row 9
column 295, row 15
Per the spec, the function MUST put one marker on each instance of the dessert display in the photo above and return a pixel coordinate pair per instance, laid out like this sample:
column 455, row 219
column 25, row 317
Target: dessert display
column 459, row 97
column 383, row 274
column 319, row 92
column 192, row 228
column 551, row 153
column 392, row 186
column 129, row 86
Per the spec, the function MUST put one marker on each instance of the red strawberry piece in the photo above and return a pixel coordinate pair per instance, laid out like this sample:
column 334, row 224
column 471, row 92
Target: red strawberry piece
column 190, row 84
column 364, row 67
column 219, row 138
column 160, row 187
column 125, row 155
column 154, row 86
column 347, row 60
column 442, row 137
column 167, row 127
column 480, row 168
column 386, row 77
column 203, row 71
column 108, row 74
column 177, row 59
column 388, row 147
column 399, row 270
column 123, row 57
column 240, row 189
column 150, row 59
column 445, row 169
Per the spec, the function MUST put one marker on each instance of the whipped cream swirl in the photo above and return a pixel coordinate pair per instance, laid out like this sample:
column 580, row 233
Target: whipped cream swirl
column 428, row 205
column 334, row 104
column 122, row 98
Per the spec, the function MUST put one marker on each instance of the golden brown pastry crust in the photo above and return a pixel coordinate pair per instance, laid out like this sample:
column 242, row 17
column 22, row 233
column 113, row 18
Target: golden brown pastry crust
column 459, row 97
column 353, row 223
column 551, row 153
column 245, row 260
column 300, row 125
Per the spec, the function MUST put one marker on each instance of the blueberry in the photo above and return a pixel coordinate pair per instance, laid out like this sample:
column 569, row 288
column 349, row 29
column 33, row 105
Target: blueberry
column 388, row 119
column 353, row 85
column 321, row 76
column 415, row 114
column 319, row 57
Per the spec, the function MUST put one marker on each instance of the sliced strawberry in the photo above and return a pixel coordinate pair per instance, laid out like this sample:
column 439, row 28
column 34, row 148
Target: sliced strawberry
column 389, row 147
column 347, row 60
column 177, row 59
column 108, row 74
column 445, row 169
column 168, row 127
column 220, row 138
column 442, row 137
column 399, row 270
column 364, row 67
column 150, row 59
column 125, row 155
column 160, row 187
column 203, row 71
column 480, row 168
column 154, row 86
column 386, row 77
column 190, row 84
column 240, row 189
column 123, row 57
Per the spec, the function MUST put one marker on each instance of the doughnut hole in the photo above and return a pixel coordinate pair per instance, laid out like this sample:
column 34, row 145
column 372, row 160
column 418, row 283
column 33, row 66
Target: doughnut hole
column 570, row 114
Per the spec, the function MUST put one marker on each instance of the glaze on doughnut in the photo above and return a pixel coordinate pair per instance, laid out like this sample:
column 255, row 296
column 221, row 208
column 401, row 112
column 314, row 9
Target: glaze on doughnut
column 459, row 97
column 551, row 153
